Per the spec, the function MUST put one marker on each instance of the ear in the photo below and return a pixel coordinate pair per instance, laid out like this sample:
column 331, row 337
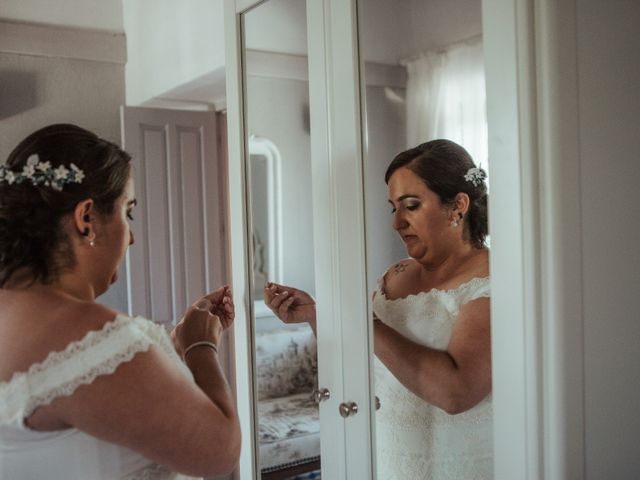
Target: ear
column 461, row 204
column 83, row 215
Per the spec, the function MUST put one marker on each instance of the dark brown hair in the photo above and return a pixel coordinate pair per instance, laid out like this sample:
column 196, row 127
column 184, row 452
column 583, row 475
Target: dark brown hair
column 442, row 165
column 31, row 233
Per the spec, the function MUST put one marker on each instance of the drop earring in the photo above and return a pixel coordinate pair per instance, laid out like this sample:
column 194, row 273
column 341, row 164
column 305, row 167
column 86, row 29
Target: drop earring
column 91, row 236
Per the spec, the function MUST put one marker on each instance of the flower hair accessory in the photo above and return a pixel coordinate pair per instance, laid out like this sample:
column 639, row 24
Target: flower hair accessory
column 475, row 175
column 42, row 173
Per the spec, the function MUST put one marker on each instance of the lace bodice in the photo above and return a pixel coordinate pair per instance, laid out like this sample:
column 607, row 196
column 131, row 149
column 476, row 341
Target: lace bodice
column 417, row 440
column 69, row 454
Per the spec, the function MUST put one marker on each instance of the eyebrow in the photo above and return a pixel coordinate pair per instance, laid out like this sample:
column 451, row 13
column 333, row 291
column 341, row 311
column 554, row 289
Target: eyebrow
column 404, row 197
column 132, row 203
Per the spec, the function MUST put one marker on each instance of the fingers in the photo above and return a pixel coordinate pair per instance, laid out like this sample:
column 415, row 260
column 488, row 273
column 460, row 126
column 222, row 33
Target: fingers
column 285, row 306
column 221, row 301
column 204, row 304
column 280, row 302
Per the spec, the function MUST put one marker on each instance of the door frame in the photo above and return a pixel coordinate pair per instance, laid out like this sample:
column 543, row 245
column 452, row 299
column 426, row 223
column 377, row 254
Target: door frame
column 536, row 258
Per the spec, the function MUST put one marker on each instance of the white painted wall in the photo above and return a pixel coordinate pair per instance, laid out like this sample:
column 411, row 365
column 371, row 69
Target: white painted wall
column 92, row 14
column 278, row 110
column 170, row 43
column 386, row 137
column 609, row 106
column 277, row 26
column 41, row 86
column 397, row 29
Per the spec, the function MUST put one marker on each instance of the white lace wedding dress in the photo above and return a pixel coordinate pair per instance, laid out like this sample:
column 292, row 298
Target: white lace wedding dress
column 416, row 440
column 70, row 454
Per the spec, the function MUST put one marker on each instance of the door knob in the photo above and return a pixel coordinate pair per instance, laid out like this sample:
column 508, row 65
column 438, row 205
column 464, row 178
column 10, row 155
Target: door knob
column 378, row 404
column 321, row 395
column 348, row 409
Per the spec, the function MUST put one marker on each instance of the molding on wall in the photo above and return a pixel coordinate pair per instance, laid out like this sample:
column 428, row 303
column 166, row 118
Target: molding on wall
column 41, row 40
column 294, row 67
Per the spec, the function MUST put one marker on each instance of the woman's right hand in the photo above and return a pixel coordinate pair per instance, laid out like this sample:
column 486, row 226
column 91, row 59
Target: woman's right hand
column 198, row 324
column 205, row 320
column 290, row 304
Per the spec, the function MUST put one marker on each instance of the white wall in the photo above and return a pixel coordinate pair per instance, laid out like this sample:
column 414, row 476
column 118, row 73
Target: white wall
column 170, row 43
column 277, row 26
column 386, row 137
column 394, row 30
column 609, row 106
column 51, row 75
column 278, row 111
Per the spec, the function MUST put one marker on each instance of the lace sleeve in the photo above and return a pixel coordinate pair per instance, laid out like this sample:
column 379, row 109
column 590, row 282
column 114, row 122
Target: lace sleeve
column 99, row 352
column 479, row 287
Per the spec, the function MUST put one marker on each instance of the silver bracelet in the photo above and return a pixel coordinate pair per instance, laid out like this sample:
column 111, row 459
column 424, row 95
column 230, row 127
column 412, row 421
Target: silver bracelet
column 200, row 344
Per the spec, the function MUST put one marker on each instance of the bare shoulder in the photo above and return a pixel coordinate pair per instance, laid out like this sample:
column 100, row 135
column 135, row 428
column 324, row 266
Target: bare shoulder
column 401, row 278
column 34, row 326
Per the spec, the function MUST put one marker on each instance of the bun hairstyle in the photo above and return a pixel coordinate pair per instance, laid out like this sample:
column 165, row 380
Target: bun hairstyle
column 31, row 233
column 442, row 165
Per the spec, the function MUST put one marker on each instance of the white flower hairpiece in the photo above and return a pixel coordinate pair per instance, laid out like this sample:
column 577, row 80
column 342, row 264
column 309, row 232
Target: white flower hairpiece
column 41, row 173
column 475, row 175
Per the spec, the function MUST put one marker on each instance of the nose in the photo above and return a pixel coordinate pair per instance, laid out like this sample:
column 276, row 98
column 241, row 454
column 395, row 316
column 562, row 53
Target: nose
column 398, row 222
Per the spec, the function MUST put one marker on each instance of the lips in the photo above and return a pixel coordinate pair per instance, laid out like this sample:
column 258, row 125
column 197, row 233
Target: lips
column 409, row 238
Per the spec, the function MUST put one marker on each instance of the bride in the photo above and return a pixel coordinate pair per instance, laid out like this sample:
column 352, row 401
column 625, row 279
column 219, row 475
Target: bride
column 87, row 392
column 431, row 321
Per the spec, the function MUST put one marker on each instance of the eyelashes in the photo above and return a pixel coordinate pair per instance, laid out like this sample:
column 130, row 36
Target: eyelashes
column 129, row 216
column 410, row 207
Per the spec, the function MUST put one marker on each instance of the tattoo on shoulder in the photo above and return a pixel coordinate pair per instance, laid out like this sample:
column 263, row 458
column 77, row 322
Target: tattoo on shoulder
column 400, row 267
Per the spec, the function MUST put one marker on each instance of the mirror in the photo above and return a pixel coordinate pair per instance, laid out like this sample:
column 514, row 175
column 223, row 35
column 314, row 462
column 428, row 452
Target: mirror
column 281, row 227
column 423, row 79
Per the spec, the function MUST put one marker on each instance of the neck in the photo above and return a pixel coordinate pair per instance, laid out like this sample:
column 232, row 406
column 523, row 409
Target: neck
column 70, row 284
column 450, row 263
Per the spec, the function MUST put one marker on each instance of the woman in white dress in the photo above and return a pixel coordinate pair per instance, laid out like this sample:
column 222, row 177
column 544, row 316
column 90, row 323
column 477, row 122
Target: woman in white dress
column 431, row 321
column 87, row 392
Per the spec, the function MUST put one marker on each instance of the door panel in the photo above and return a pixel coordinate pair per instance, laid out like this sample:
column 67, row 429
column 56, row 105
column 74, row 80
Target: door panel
column 179, row 252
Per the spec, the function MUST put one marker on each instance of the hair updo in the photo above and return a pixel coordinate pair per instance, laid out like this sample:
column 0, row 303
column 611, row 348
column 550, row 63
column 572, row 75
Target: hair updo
column 442, row 166
column 31, row 233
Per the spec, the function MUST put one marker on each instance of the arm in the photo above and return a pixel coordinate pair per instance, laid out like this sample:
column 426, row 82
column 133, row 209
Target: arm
column 454, row 380
column 290, row 304
column 150, row 406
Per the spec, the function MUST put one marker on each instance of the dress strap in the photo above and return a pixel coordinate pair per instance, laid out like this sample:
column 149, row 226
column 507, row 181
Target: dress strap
column 99, row 352
column 478, row 287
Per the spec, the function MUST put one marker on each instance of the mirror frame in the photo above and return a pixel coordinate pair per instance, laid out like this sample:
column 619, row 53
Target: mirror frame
column 338, row 205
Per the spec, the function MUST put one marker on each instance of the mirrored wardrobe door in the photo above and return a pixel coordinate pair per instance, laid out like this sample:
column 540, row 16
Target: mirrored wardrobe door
column 422, row 79
column 278, row 181
column 297, row 219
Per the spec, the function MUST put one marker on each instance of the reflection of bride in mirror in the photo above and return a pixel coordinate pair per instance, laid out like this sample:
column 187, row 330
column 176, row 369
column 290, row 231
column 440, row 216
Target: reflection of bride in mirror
column 87, row 392
column 431, row 321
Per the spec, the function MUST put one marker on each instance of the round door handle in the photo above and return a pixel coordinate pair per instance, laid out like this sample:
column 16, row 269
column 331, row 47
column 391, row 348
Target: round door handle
column 378, row 404
column 321, row 395
column 348, row 409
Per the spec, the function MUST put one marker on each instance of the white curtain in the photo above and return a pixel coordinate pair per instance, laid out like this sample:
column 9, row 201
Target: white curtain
column 446, row 99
